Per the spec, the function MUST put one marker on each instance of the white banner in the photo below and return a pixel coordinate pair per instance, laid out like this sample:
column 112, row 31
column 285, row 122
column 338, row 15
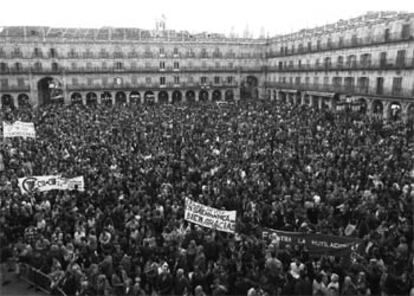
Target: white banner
column 19, row 129
column 46, row 183
column 210, row 217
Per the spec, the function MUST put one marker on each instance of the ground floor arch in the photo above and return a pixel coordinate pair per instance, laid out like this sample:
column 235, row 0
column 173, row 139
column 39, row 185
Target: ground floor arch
column 50, row 90
column 203, row 96
column 7, row 101
column 134, row 97
column 149, row 97
column 76, row 98
column 395, row 111
column 249, row 88
column 377, row 108
column 362, row 106
column 190, row 96
column 283, row 97
column 91, row 98
column 120, row 97
column 216, row 95
column 229, row 95
column 163, row 97
column 23, row 100
column 177, row 97
column 410, row 112
column 106, row 98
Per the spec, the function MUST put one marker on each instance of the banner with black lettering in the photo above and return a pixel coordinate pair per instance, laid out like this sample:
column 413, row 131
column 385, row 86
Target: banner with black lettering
column 317, row 244
column 46, row 183
column 19, row 129
column 210, row 217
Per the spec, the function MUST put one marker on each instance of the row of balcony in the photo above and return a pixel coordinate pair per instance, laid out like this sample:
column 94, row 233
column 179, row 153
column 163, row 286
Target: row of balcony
column 370, row 40
column 350, row 89
column 384, row 64
column 19, row 55
column 100, row 70
column 128, row 86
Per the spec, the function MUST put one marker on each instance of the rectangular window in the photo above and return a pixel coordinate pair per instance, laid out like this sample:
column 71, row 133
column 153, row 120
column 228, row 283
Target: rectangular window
column 134, row 80
column 405, row 32
column 162, row 80
column 316, row 80
column 383, row 59
column 175, row 50
column 349, row 84
column 75, row 81
column 105, row 80
column 354, row 40
column 148, row 80
column 190, row 79
column 337, row 81
column 363, row 84
column 176, row 80
column 4, row 82
column 387, row 35
column 318, row 45
column 380, row 85
column 216, row 79
column 309, row 46
column 396, row 86
column 280, row 65
column 203, row 79
column 176, row 65
column 307, row 80
column 20, row 82
column 297, row 80
column 162, row 65
column 400, row 58
column 229, row 79
column 341, row 41
column 90, row 81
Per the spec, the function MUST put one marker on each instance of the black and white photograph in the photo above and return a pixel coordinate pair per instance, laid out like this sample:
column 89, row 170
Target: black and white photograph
column 206, row 148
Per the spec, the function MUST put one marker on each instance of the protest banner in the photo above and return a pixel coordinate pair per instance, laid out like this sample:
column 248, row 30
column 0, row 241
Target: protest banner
column 317, row 244
column 210, row 217
column 19, row 129
column 46, row 183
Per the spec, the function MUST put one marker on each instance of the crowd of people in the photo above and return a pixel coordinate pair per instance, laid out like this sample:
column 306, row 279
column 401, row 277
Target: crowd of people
column 286, row 167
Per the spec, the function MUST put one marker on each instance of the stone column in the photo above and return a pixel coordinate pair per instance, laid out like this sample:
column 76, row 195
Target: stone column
column 170, row 98
column 386, row 110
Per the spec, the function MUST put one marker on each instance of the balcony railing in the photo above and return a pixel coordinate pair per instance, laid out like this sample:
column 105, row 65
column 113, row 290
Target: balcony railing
column 17, row 88
column 351, row 89
column 134, row 86
column 349, row 43
column 388, row 64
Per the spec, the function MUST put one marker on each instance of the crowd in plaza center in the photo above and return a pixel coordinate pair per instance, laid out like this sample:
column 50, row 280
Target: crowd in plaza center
column 286, row 167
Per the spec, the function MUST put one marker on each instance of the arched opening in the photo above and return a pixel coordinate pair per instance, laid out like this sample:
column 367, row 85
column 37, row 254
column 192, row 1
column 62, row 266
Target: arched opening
column 106, row 98
column 216, row 95
column 190, row 96
column 120, row 97
column 134, row 97
column 282, row 96
column 307, row 99
column 177, row 97
column 334, row 101
column 203, row 96
column 315, row 102
column 248, row 88
column 274, row 95
column 291, row 97
column 149, row 97
column 76, row 98
column 268, row 94
column 23, row 101
column 377, row 108
column 7, row 101
column 362, row 106
column 163, row 97
column 325, row 103
column 298, row 98
column 50, row 91
column 91, row 99
column 410, row 112
column 395, row 111
column 229, row 95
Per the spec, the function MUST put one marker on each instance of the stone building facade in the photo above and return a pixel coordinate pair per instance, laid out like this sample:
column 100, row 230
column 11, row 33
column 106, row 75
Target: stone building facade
column 366, row 61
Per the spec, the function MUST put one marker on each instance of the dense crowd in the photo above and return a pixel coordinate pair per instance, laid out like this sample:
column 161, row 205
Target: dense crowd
column 286, row 167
